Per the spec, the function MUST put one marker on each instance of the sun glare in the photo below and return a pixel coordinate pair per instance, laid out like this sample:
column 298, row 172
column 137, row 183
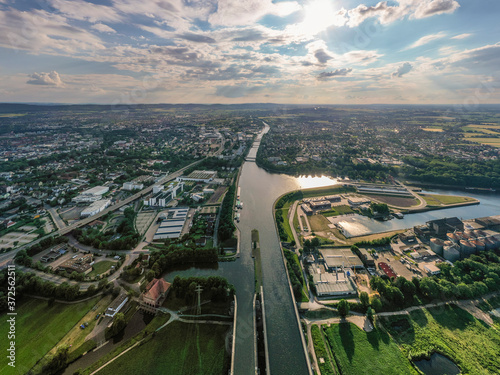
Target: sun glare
column 319, row 14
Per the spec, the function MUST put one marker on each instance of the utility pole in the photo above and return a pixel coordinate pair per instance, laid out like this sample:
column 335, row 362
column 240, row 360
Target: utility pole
column 198, row 290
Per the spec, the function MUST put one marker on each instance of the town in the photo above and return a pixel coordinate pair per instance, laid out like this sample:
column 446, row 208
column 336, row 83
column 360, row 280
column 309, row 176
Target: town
column 132, row 228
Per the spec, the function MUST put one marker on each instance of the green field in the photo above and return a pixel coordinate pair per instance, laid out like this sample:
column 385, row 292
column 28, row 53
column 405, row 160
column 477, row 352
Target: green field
column 321, row 351
column 444, row 200
column 470, row 343
column 40, row 327
column 177, row 349
column 286, row 224
column 338, row 210
column 359, row 352
column 101, row 267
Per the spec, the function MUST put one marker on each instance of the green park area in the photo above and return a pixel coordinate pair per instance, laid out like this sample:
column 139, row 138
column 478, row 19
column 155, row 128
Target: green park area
column 50, row 323
column 434, row 200
column 360, row 352
column 179, row 347
column 470, row 343
column 101, row 267
column 338, row 210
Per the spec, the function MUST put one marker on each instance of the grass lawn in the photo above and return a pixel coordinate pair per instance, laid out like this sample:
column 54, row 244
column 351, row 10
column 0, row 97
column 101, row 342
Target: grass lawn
column 40, row 327
column 327, row 190
column 338, row 210
column 321, row 351
column 319, row 223
column 101, row 267
column 470, row 343
column 359, row 352
column 177, row 349
column 444, row 200
column 286, row 224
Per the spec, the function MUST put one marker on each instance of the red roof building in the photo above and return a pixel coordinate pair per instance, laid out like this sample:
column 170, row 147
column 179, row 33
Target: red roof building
column 154, row 295
column 387, row 269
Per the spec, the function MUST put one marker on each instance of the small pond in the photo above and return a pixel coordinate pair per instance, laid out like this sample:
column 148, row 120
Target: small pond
column 438, row 364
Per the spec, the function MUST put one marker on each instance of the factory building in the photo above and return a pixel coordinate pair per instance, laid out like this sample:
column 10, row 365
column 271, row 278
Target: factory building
column 336, row 259
column 320, row 205
column 162, row 197
column 355, row 202
column 172, row 226
column 199, row 176
column 91, row 195
column 129, row 186
column 95, row 208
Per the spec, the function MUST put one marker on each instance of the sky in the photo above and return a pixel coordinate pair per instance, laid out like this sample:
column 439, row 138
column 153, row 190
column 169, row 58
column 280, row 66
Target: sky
column 250, row 51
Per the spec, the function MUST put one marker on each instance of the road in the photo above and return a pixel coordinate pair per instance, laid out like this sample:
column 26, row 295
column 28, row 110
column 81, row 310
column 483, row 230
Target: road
column 7, row 257
column 60, row 224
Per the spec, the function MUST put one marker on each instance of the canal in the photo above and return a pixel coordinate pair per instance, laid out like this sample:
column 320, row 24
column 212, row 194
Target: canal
column 259, row 190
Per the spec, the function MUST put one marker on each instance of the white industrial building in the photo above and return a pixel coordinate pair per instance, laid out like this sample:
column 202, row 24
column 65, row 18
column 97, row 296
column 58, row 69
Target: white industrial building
column 129, row 186
column 91, row 195
column 199, row 176
column 95, row 208
column 172, row 226
column 162, row 197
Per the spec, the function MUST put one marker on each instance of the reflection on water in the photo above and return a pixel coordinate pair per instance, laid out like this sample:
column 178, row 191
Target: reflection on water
column 437, row 365
column 307, row 182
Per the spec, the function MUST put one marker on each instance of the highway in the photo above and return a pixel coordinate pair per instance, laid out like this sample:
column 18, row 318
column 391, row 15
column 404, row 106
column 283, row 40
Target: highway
column 6, row 258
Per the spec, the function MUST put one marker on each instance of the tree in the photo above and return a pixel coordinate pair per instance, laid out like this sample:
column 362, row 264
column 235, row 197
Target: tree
column 343, row 308
column 369, row 314
column 376, row 303
column 364, row 298
column 150, row 275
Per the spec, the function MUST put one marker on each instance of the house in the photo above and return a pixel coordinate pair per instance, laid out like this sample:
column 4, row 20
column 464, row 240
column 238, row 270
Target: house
column 154, row 295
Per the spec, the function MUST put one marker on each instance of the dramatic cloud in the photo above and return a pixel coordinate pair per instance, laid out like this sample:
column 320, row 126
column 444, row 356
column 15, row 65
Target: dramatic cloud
column 322, row 56
column 336, row 73
column 389, row 13
column 86, row 11
column 402, row 70
column 426, row 39
column 48, row 79
column 232, row 13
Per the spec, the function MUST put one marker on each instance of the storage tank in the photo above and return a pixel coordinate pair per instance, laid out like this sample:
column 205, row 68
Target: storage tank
column 451, row 254
column 460, row 235
column 480, row 246
column 466, row 248
column 496, row 239
column 488, row 243
column 437, row 246
column 478, row 233
column 452, row 237
column 448, row 243
column 470, row 233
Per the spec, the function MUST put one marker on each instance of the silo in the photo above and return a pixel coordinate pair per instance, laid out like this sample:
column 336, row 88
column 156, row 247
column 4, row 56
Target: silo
column 496, row 239
column 469, row 232
column 448, row 243
column 480, row 246
column 452, row 237
column 460, row 235
column 451, row 254
column 488, row 243
column 478, row 233
column 469, row 235
column 466, row 248
column 437, row 246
